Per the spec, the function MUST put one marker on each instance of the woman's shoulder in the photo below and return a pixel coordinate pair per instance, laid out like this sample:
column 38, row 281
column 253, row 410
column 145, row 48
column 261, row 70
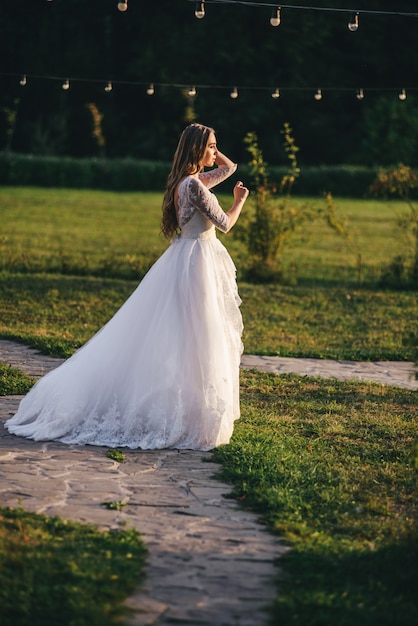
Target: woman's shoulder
column 190, row 181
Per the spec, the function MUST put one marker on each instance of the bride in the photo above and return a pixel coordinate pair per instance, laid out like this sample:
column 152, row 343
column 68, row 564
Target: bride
column 164, row 371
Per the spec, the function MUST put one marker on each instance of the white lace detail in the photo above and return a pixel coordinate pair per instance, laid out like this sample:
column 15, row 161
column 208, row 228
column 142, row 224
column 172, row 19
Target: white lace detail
column 194, row 195
column 216, row 176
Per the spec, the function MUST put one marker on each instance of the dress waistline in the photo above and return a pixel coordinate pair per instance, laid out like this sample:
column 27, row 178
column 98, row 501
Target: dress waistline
column 206, row 234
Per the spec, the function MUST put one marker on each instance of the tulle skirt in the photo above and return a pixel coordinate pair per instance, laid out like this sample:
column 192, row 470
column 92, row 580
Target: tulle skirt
column 162, row 373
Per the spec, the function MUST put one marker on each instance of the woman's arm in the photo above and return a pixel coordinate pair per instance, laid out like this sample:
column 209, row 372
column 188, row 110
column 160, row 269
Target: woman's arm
column 240, row 196
column 223, row 161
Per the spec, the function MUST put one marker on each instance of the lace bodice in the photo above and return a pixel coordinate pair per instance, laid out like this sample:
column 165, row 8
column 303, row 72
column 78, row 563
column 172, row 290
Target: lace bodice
column 196, row 199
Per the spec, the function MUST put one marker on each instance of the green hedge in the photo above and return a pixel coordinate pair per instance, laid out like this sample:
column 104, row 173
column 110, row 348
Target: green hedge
column 110, row 174
column 135, row 175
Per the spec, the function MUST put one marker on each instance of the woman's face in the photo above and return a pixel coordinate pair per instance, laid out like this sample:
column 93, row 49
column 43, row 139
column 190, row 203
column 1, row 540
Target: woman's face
column 211, row 152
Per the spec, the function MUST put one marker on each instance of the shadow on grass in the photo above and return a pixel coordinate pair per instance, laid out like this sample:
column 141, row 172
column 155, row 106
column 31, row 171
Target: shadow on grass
column 329, row 589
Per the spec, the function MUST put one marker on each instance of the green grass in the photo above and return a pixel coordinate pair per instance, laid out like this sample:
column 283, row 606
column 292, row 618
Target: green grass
column 67, row 231
column 329, row 466
column 13, row 381
column 57, row 572
column 57, row 314
column 70, row 258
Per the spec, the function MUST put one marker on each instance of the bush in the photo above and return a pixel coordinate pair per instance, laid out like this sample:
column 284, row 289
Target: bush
column 93, row 173
column 135, row 175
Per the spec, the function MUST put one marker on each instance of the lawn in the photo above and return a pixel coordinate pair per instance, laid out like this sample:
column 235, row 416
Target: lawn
column 329, row 466
column 69, row 259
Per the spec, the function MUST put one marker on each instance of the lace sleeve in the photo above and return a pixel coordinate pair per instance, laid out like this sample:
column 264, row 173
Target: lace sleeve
column 216, row 176
column 206, row 202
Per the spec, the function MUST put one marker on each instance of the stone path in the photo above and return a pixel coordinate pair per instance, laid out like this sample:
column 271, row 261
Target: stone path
column 210, row 563
column 397, row 373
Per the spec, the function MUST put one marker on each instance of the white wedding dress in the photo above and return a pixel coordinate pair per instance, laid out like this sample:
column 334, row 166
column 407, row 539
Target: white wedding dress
column 164, row 371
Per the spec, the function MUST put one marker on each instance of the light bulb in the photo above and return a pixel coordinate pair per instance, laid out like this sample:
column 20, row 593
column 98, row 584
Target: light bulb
column 192, row 92
column 109, row 86
column 23, row 80
column 353, row 23
column 66, row 85
column 151, row 90
column 275, row 94
column 360, row 94
column 200, row 10
column 123, row 6
column 402, row 95
column 275, row 17
column 234, row 93
column 318, row 95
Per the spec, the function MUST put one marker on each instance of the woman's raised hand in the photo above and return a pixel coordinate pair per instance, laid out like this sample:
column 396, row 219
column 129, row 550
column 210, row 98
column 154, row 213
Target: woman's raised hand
column 240, row 192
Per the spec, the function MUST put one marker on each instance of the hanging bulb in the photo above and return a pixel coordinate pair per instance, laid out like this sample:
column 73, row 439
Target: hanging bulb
column 275, row 94
column 318, row 95
column 360, row 94
column 109, row 86
column 234, row 93
column 200, row 10
column 123, row 6
column 353, row 23
column 151, row 90
column 66, row 85
column 402, row 95
column 192, row 92
column 23, row 80
column 275, row 17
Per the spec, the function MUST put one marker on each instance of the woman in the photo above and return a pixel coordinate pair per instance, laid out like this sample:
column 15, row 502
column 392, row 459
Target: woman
column 163, row 372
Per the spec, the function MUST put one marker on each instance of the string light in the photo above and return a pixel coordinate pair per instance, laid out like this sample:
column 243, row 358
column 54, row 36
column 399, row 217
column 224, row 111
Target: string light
column 275, row 17
column 200, row 10
column 311, row 8
column 123, row 5
column 353, row 23
column 192, row 90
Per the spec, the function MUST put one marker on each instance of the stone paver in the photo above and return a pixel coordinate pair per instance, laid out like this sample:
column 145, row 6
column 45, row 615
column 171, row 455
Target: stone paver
column 210, row 563
column 397, row 373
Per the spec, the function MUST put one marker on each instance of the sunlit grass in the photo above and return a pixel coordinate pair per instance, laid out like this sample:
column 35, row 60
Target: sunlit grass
column 59, row 313
column 118, row 234
column 13, row 381
column 329, row 466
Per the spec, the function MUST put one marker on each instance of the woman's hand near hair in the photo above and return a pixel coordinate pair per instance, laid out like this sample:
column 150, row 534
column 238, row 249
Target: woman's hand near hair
column 223, row 161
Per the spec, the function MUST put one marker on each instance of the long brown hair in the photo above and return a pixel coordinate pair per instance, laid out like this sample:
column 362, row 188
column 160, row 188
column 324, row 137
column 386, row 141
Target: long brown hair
column 189, row 153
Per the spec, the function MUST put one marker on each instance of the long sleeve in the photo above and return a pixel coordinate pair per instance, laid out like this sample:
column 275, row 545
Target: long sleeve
column 216, row 176
column 207, row 204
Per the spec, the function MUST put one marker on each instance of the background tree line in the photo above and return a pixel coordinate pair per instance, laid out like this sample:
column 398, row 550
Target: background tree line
column 234, row 45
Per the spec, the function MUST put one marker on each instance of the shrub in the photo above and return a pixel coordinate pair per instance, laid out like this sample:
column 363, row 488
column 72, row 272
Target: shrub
column 277, row 217
column 401, row 182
